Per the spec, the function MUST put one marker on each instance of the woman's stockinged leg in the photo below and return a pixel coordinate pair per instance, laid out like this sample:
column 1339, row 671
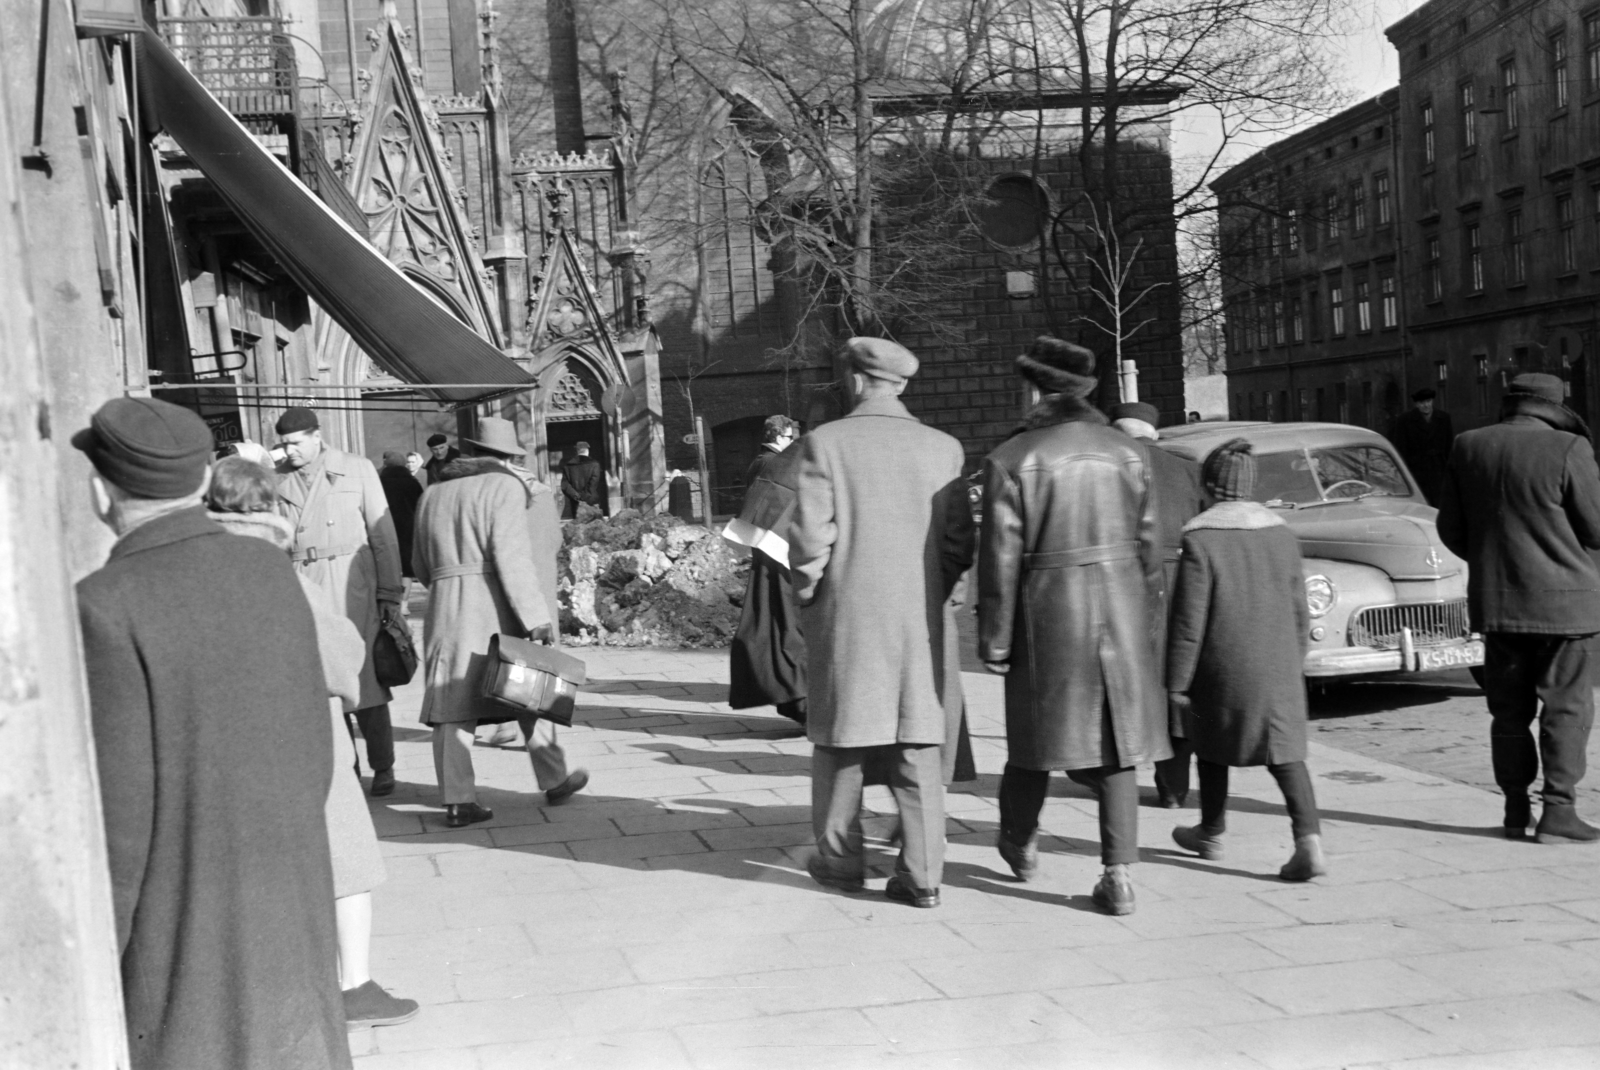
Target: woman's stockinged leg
column 353, row 916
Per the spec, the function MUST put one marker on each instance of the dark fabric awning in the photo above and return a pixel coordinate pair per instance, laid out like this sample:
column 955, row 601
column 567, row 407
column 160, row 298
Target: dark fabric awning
column 406, row 332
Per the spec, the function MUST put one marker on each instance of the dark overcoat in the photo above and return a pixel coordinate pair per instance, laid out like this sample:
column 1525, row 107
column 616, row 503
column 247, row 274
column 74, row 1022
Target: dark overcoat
column 1179, row 499
column 1424, row 444
column 882, row 535
column 1238, row 636
column 582, row 483
column 403, row 492
column 1521, row 505
column 767, row 660
column 1069, row 589
column 210, row 719
column 475, row 553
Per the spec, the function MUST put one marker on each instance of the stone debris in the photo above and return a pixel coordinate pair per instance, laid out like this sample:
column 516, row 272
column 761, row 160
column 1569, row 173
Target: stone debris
column 631, row 580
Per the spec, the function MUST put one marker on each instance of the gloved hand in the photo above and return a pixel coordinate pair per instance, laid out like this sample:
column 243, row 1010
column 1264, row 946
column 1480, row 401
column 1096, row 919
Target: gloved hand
column 543, row 634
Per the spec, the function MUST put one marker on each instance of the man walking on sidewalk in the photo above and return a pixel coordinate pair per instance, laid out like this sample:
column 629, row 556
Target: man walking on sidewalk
column 1521, row 503
column 882, row 535
column 345, row 543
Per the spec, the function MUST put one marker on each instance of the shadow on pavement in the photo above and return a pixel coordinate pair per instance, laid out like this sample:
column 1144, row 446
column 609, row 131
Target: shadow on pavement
column 686, row 691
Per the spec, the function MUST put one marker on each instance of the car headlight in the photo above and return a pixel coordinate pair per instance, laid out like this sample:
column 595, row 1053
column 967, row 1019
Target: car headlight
column 1321, row 594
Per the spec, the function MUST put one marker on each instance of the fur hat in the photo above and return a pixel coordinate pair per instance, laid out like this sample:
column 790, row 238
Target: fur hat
column 1229, row 472
column 1539, row 385
column 1058, row 367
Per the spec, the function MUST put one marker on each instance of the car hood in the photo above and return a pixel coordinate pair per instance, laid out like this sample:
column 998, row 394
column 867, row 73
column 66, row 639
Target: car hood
column 1399, row 537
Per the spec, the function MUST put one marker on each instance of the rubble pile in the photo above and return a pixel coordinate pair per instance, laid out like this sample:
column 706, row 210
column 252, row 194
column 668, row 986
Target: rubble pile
column 631, row 580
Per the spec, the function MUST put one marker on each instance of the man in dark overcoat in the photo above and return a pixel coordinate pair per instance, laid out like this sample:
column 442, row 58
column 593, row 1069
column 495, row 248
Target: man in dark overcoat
column 402, row 491
column 876, row 550
column 1069, row 593
column 767, row 660
column 1521, row 504
column 211, row 732
column 1424, row 435
column 1176, row 482
column 582, row 481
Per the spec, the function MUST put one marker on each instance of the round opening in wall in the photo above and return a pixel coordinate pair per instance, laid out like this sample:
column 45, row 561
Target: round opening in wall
column 1013, row 211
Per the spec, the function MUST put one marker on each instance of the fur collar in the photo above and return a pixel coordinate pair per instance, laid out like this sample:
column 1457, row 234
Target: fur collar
column 462, row 467
column 270, row 526
column 1055, row 409
column 1236, row 516
column 1556, row 416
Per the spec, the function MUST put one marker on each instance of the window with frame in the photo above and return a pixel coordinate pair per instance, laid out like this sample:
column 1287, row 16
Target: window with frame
column 1312, row 319
column 1474, row 249
column 1263, row 324
column 1380, row 200
column 1516, row 251
column 1358, row 207
column 1277, row 321
column 1341, row 403
column 1291, row 231
column 1566, row 234
column 1591, row 51
column 1434, row 268
column 1427, row 134
column 1469, row 116
column 1482, row 361
column 1305, row 404
column 1388, row 302
column 1297, row 323
column 1330, row 212
column 1336, row 308
column 1363, row 305
column 1558, row 69
column 1272, row 414
column 1508, row 95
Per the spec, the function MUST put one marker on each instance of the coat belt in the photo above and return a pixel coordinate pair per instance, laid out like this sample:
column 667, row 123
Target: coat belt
column 324, row 553
column 1087, row 555
column 477, row 568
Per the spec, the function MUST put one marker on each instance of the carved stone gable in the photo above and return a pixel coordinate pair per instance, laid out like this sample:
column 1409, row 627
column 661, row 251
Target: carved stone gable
column 575, row 395
column 564, row 312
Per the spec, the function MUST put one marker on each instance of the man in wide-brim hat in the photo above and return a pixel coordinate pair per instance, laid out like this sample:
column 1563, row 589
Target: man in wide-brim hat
column 486, row 541
column 1069, row 577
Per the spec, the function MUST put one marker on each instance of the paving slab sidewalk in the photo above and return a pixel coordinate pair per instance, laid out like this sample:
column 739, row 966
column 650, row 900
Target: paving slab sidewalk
column 663, row 918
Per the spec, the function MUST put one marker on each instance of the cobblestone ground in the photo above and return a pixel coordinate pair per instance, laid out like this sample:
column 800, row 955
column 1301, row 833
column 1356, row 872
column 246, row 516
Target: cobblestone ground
column 663, row 918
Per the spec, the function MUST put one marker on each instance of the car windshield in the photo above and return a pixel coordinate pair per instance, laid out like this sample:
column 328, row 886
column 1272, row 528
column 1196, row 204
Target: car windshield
column 1329, row 474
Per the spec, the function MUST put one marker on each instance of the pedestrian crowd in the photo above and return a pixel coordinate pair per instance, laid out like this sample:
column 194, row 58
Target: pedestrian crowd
column 1141, row 608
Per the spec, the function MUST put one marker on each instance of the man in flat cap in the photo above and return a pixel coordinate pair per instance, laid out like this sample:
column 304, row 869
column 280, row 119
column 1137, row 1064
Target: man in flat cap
column 876, row 550
column 1069, row 588
column 1176, row 483
column 582, row 481
column 442, row 454
column 345, row 543
column 1423, row 435
column 1521, row 504
column 211, row 731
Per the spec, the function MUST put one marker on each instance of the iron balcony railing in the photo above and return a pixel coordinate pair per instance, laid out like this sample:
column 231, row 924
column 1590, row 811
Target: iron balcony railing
column 247, row 63
column 1431, row 624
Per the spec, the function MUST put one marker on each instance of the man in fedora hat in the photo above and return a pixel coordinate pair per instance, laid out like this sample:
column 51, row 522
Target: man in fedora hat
column 876, row 550
column 1521, row 504
column 1423, row 435
column 1069, row 582
column 582, row 481
column 486, row 544
column 210, row 723
column 345, row 543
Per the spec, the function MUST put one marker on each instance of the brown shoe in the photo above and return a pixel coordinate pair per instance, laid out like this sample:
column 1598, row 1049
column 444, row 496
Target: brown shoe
column 382, row 783
column 1307, row 861
column 576, row 782
column 901, row 891
column 369, row 1005
column 1200, row 840
column 1114, row 893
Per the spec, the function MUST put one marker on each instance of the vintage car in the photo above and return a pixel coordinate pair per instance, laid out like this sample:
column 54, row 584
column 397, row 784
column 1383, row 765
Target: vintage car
column 1385, row 595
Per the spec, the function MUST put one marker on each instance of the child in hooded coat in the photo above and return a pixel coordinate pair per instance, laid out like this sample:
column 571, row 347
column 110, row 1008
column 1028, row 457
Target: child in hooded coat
column 1237, row 639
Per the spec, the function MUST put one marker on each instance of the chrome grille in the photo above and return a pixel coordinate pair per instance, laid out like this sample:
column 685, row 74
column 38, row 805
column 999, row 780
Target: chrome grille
column 1431, row 624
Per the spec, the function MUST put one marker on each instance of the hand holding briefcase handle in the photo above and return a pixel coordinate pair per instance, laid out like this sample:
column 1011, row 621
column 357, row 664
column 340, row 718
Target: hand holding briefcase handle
column 533, row 677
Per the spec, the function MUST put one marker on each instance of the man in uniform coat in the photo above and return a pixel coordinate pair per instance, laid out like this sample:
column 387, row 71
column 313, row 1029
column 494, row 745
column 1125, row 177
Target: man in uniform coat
column 486, row 567
column 345, row 543
column 1521, row 504
column 582, row 482
column 877, row 549
column 1176, row 483
column 1069, row 593
column 1423, row 436
column 210, row 723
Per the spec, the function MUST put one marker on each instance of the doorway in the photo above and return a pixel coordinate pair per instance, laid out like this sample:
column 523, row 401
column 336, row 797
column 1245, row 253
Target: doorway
column 561, row 439
column 734, row 446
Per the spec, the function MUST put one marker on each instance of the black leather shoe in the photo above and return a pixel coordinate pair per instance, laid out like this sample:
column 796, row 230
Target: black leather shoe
column 1519, row 815
column 1561, row 824
column 1114, row 893
column 828, row 879
column 576, row 782
column 460, row 815
column 901, row 892
column 1170, row 800
column 1022, row 858
column 383, row 783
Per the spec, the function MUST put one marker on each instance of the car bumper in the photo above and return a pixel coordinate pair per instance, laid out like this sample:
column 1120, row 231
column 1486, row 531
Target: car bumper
column 1362, row 660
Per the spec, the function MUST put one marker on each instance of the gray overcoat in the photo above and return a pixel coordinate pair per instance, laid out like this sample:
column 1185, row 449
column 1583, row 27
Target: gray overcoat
column 882, row 534
column 474, row 551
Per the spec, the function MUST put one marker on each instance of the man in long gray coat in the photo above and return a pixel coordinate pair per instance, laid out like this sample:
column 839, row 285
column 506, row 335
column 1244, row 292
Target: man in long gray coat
column 882, row 535
column 476, row 552
column 210, row 718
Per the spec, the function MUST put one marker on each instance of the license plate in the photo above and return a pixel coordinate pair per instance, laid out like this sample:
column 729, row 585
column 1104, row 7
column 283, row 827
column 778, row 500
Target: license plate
column 1450, row 657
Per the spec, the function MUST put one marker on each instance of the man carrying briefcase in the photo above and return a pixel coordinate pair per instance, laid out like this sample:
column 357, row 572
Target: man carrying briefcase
column 474, row 550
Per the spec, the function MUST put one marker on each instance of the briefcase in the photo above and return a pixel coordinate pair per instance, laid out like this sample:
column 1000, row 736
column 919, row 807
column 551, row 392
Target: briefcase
column 533, row 678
